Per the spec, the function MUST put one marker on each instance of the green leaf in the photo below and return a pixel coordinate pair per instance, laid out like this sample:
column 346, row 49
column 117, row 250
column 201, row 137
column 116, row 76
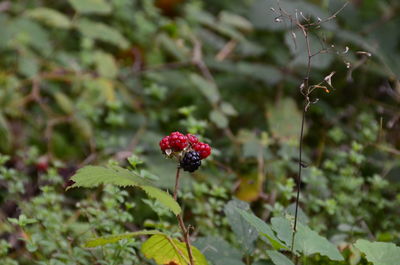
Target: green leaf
column 101, row 241
column 284, row 230
column 93, row 176
column 266, row 73
column 134, row 160
column 269, row 74
column 306, row 241
column 209, row 89
column 64, row 102
column 165, row 250
column 229, row 261
column 163, row 197
column 148, row 175
column 262, row 228
column 228, row 109
column 50, row 17
column 23, row 30
column 284, row 119
column 301, row 216
column 28, row 64
column 102, row 32
column 379, row 253
column 218, row 251
column 22, row 220
column 91, row 6
column 219, row 119
column 245, row 233
column 226, row 29
column 172, row 48
column 278, row 258
column 105, row 64
column 310, row 242
column 235, row 21
column 83, row 127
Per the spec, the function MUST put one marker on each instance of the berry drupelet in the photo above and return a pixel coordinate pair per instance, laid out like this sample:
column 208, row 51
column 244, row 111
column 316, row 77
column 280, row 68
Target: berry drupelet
column 192, row 139
column 178, row 141
column 190, row 161
column 203, row 149
column 164, row 143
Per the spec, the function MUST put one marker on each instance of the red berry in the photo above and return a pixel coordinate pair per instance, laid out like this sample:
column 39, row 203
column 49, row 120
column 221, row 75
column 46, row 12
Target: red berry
column 192, row 138
column 203, row 149
column 178, row 141
column 164, row 143
column 42, row 163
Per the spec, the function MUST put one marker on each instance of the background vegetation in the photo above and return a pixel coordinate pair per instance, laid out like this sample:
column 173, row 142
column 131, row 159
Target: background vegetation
column 95, row 81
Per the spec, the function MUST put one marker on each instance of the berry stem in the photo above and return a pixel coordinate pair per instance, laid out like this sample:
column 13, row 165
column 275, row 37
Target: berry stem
column 185, row 231
column 177, row 183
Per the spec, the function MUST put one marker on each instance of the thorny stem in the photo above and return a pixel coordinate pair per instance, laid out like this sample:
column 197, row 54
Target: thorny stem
column 185, row 231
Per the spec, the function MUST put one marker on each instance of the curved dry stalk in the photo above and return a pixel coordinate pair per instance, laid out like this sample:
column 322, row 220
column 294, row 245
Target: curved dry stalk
column 305, row 88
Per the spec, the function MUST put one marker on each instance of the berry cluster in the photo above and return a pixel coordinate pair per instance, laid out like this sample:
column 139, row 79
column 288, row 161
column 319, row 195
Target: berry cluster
column 187, row 148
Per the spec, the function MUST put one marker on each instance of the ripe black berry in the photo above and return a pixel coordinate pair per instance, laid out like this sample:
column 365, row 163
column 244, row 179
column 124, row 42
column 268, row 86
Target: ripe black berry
column 191, row 161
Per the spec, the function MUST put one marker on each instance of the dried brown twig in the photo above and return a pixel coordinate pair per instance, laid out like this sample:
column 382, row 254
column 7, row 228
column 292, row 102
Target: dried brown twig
column 305, row 25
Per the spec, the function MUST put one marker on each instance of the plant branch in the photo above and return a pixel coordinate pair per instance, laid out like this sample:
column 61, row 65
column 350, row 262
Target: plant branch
column 184, row 230
column 333, row 16
column 299, row 177
column 305, row 91
column 177, row 183
column 304, row 25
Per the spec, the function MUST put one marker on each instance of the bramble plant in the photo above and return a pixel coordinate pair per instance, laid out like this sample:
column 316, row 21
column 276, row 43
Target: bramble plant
column 165, row 249
column 188, row 152
column 284, row 233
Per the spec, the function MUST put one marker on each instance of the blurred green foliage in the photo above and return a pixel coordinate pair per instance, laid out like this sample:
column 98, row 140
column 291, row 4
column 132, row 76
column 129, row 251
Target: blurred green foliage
column 83, row 82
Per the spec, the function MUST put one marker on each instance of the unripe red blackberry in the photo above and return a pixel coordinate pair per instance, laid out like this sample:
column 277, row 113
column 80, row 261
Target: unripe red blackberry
column 190, row 161
column 164, row 143
column 192, row 139
column 203, row 149
column 178, row 141
column 42, row 163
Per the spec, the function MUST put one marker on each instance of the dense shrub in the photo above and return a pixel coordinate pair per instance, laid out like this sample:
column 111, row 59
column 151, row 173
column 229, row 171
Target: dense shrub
column 96, row 81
